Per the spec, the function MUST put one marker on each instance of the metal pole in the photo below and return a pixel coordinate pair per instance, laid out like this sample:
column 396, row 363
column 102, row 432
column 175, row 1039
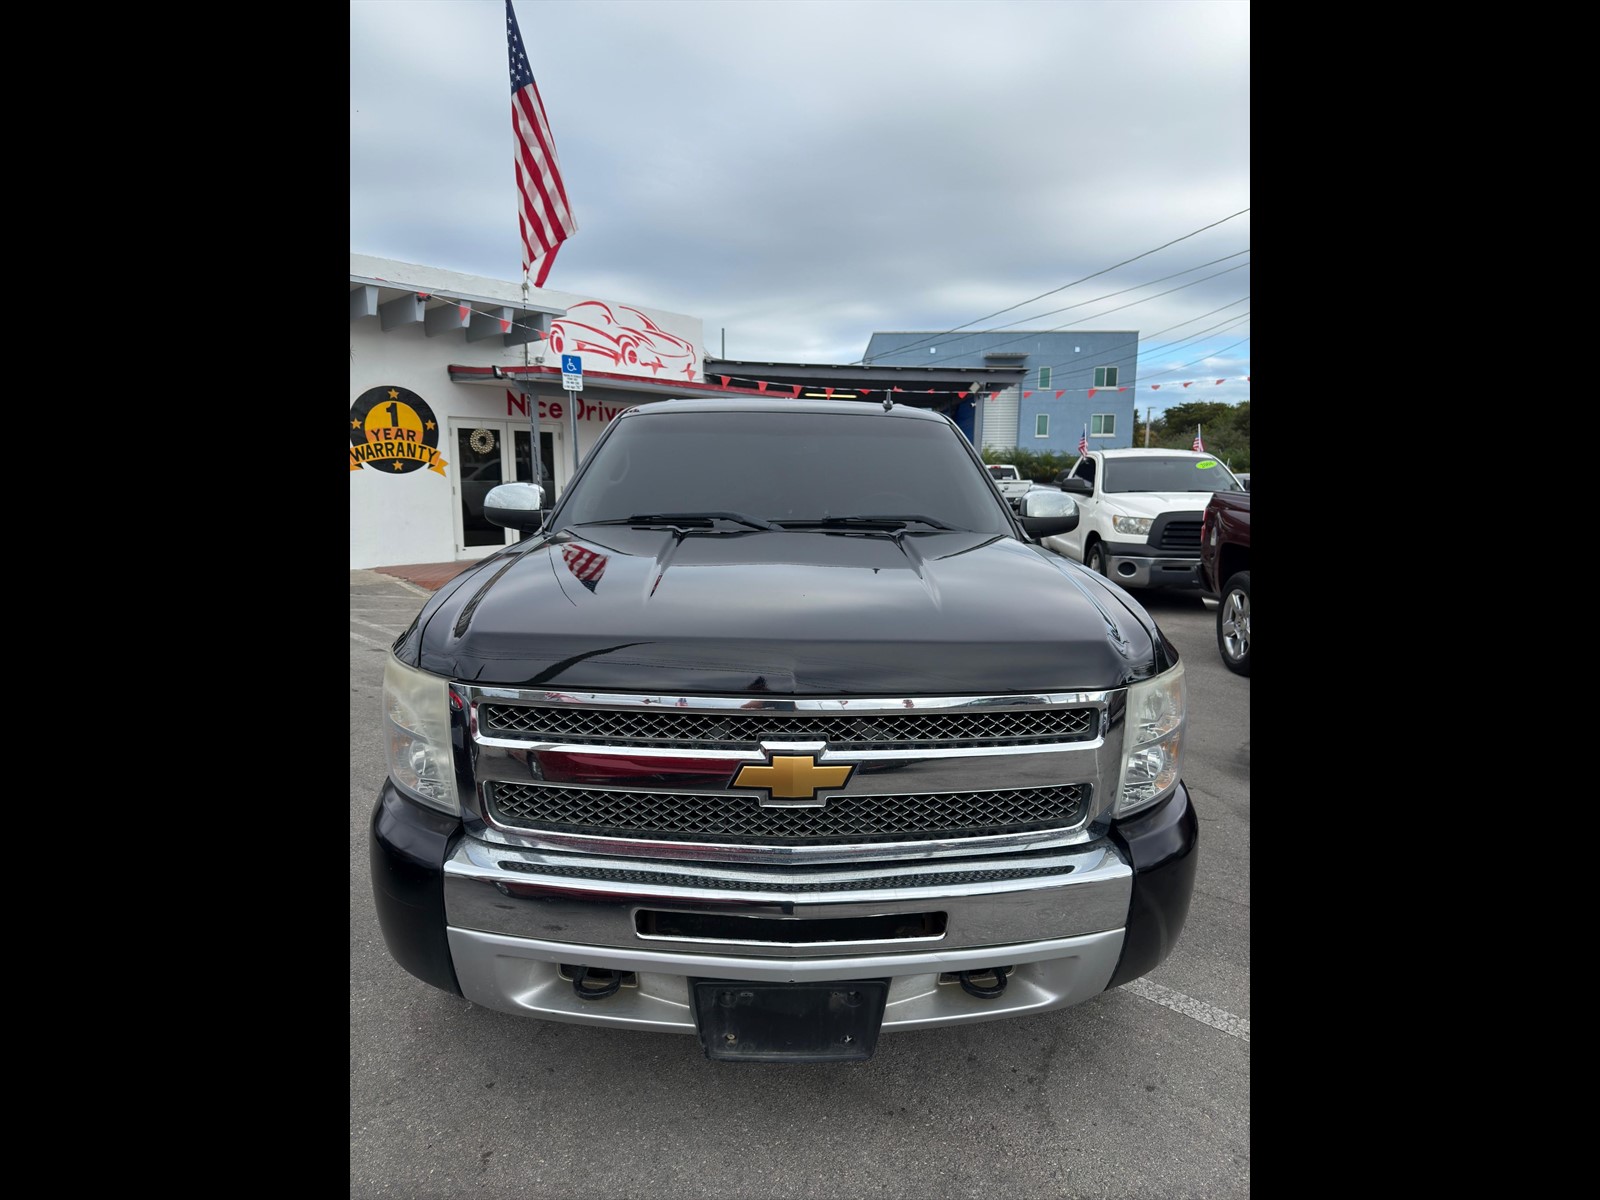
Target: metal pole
column 532, row 401
column 1147, row 411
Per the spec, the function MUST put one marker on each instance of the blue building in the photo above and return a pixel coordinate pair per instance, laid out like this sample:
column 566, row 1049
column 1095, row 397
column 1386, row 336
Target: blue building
column 1072, row 383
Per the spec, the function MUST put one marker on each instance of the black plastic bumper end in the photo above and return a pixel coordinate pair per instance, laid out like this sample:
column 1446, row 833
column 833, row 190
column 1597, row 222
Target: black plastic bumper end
column 409, row 846
column 1163, row 846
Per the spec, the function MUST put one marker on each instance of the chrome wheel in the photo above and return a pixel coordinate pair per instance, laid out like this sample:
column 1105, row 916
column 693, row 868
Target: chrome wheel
column 1233, row 624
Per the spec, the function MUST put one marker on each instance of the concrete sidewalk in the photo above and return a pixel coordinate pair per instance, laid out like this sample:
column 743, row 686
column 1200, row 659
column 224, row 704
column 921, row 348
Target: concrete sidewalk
column 427, row 575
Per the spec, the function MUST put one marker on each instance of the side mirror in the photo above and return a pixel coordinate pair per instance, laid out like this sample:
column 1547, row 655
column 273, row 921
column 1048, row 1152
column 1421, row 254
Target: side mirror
column 1046, row 514
column 1077, row 486
column 515, row 506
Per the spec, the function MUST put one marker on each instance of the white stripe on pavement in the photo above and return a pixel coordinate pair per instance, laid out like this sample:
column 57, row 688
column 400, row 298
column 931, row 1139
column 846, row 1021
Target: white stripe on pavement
column 1217, row 1018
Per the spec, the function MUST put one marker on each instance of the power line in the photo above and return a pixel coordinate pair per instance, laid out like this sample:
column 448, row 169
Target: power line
column 913, row 345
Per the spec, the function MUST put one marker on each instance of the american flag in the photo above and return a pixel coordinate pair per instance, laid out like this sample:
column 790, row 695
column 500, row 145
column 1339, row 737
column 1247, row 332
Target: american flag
column 1083, row 442
column 543, row 213
column 1197, row 445
column 587, row 565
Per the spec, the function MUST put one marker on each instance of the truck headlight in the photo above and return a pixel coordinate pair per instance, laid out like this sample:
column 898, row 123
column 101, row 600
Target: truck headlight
column 1152, row 742
column 416, row 720
column 1138, row 526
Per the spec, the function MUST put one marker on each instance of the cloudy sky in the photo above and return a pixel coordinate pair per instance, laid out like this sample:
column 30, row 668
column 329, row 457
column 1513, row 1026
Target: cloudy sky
column 801, row 173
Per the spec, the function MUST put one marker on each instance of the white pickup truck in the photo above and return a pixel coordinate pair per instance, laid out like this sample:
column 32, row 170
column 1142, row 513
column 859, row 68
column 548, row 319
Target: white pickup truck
column 1140, row 513
column 1011, row 482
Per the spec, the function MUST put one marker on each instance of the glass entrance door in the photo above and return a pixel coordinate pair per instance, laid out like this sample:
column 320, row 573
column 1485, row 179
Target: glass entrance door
column 547, row 451
column 491, row 452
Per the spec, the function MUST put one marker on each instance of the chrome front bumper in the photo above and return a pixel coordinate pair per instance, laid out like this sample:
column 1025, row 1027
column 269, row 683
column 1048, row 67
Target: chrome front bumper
column 516, row 916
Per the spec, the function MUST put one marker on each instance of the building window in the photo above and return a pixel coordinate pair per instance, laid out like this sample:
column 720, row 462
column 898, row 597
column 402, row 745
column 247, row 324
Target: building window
column 1044, row 377
column 1105, row 377
column 1103, row 424
column 1041, row 425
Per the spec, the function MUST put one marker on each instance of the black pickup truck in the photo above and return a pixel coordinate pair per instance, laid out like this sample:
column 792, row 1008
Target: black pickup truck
column 781, row 729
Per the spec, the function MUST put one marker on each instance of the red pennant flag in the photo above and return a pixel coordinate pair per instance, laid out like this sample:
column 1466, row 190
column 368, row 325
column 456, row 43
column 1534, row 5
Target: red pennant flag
column 865, row 392
column 724, row 379
column 1222, row 381
column 1187, row 384
column 1123, row 388
column 993, row 396
column 963, row 395
column 795, row 388
column 466, row 310
column 828, row 392
column 899, row 389
column 1061, row 393
column 1155, row 387
column 505, row 324
column 1247, row 379
column 1025, row 395
column 1092, row 391
column 762, row 384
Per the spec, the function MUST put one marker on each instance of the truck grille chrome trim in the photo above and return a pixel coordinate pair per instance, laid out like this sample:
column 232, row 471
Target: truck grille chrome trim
column 670, row 816
column 841, row 730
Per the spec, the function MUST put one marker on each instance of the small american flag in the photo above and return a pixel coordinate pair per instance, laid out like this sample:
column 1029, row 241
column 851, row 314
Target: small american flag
column 1197, row 444
column 543, row 213
column 1083, row 442
column 587, row 565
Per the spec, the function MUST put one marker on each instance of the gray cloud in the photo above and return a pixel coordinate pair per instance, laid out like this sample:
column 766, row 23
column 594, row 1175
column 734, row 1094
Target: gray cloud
column 800, row 173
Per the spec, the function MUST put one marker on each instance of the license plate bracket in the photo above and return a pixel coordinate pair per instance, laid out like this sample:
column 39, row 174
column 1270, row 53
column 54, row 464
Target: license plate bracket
column 831, row 1021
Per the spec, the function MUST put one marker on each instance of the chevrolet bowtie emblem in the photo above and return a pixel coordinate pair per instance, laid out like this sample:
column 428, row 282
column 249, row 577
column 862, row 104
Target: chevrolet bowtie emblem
column 791, row 780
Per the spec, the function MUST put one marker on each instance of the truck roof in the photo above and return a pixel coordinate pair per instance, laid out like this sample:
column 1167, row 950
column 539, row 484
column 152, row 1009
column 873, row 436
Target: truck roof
column 735, row 404
column 1140, row 452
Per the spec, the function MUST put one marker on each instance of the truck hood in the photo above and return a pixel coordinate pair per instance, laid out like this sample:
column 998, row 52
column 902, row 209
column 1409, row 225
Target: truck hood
column 1153, row 504
column 792, row 613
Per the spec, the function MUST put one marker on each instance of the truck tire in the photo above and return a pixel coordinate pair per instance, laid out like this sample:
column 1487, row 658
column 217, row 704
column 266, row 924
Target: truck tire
column 1094, row 557
column 1233, row 624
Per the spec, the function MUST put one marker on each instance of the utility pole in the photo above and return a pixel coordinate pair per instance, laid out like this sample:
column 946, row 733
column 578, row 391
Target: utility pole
column 1147, row 412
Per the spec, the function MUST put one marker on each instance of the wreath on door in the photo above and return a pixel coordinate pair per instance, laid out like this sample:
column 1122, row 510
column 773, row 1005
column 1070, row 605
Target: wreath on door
column 481, row 441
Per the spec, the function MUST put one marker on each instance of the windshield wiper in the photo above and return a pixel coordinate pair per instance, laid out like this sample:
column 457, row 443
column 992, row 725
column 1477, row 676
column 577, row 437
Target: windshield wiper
column 684, row 518
column 883, row 521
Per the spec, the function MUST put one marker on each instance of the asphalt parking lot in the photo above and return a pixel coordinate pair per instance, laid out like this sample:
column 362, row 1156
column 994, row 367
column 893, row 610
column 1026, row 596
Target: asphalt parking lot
column 1141, row 1092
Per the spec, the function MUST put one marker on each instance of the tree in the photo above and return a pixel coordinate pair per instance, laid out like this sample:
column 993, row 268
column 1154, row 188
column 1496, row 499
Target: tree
column 1224, row 428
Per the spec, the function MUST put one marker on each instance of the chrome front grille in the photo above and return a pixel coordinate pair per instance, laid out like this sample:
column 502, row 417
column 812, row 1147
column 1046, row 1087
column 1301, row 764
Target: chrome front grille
column 736, row 731
column 652, row 776
column 678, row 816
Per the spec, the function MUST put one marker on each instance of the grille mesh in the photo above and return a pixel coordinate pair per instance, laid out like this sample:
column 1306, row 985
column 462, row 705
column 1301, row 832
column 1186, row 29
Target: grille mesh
column 842, row 731
column 666, row 879
column 677, row 816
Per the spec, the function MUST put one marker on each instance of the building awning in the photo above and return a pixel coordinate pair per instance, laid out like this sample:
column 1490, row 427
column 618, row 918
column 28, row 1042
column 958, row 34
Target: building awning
column 922, row 387
column 450, row 311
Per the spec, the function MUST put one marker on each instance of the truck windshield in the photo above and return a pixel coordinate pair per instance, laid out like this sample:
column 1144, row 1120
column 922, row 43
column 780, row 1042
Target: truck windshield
column 783, row 466
column 1175, row 474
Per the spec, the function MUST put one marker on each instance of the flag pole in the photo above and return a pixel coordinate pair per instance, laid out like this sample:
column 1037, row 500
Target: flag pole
column 532, row 398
